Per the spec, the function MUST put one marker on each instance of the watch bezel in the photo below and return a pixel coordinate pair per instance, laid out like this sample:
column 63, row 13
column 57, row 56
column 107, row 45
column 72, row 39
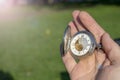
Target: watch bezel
column 92, row 47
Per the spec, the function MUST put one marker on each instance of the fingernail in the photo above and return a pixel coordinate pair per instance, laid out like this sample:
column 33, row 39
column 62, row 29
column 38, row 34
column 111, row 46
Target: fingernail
column 75, row 13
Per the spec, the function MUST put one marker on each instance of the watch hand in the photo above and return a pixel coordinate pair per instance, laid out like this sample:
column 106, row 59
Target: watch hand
column 78, row 46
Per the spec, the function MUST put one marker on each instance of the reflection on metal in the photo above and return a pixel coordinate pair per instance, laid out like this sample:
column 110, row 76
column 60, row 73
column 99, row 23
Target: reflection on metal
column 67, row 38
column 64, row 47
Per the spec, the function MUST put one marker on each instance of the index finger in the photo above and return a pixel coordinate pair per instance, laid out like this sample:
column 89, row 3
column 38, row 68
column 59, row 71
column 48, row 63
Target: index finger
column 91, row 25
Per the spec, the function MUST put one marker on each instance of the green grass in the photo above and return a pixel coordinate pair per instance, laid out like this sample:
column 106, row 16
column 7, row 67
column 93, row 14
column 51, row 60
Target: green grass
column 30, row 38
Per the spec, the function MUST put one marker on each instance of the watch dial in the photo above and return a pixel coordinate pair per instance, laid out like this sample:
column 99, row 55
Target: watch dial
column 80, row 44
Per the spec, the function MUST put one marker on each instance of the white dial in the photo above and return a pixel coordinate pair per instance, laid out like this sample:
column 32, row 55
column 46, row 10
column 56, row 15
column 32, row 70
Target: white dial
column 81, row 44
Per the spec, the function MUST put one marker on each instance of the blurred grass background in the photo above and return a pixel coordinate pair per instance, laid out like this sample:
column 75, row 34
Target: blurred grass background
column 30, row 39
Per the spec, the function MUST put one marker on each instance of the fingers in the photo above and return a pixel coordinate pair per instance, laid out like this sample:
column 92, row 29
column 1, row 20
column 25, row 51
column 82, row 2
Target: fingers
column 73, row 28
column 77, row 21
column 91, row 25
column 111, row 49
column 106, row 63
column 100, row 57
column 76, row 24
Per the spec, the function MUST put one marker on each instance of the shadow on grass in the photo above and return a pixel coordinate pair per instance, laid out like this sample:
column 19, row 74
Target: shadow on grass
column 117, row 40
column 5, row 76
column 64, row 76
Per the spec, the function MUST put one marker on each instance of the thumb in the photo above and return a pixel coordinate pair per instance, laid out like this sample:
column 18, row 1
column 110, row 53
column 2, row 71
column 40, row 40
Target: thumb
column 111, row 49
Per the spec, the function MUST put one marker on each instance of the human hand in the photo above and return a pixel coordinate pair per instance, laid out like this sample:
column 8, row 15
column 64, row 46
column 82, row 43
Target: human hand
column 87, row 69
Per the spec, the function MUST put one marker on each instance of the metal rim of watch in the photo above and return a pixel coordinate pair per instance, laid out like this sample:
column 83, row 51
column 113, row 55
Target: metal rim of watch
column 64, row 47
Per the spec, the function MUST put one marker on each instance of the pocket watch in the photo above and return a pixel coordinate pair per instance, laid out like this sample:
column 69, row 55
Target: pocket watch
column 81, row 44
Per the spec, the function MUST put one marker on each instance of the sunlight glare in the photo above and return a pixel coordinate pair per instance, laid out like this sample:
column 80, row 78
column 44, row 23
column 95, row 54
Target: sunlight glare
column 5, row 5
column 3, row 2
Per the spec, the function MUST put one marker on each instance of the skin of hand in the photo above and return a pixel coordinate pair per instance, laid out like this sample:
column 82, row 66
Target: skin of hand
column 108, row 57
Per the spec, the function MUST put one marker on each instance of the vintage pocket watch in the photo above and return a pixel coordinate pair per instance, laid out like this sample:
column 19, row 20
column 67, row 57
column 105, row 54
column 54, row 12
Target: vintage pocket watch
column 81, row 44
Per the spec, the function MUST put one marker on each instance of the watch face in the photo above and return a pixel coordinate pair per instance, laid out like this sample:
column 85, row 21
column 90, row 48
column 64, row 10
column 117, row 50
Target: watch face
column 82, row 43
